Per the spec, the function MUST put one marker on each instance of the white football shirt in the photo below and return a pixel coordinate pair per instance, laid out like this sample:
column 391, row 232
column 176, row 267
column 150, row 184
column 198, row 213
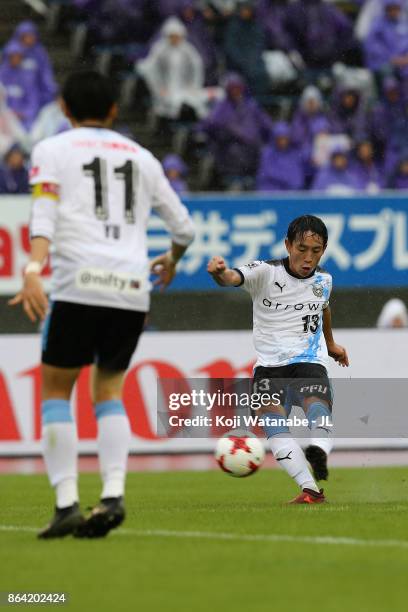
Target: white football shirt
column 108, row 186
column 287, row 313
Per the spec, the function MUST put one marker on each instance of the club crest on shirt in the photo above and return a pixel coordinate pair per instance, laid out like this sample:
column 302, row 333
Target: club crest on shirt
column 317, row 290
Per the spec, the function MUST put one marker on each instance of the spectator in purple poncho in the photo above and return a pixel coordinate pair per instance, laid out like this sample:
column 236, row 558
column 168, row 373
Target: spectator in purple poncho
column 281, row 166
column 322, row 32
column 244, row 43
column 272, row 17
column 199, row 35
column 336, row 177
column 348, row 113
column 399, row 180
column 366, row 171
column 389, row 124
column 13, row 172
column 175, row 170
column 237, row 128
column 385, row 116
column 309, row 113
column 386, row 46
column 23, row 94
column 36, row 59
column 367, row 14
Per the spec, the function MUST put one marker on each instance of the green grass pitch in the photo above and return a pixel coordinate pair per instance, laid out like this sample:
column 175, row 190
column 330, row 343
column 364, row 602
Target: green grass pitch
column 206, row 542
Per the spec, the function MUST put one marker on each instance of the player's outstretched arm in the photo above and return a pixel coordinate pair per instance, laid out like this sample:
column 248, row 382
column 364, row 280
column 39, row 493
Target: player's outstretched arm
column 223, row 276
column 32, row 295
column 164, row 266
column 337, row 352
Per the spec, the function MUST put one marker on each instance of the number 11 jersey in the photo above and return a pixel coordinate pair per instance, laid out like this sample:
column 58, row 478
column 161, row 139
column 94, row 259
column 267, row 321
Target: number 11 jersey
column 94, row 191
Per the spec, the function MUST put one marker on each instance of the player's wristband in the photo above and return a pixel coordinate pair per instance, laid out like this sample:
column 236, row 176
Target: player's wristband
column 33, row 267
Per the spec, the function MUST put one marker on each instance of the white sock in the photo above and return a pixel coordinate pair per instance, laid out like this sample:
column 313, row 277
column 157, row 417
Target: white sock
column 292, row 459
column 113, row 446
column 59, row 442
column 67, row 492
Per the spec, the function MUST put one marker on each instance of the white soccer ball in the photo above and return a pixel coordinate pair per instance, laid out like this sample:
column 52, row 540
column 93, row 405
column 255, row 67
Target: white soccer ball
column 239, row 455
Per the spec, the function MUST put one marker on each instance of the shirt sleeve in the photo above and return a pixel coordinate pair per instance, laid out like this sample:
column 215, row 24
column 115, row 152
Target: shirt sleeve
column 43, row 165
column 43, row 175
column 254, row 276
column 169, row 207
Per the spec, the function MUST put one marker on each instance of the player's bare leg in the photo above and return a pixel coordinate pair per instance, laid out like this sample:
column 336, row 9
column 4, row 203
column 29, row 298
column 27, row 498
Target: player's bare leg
column 59, row 438
column 113, row 448
column 319, row 416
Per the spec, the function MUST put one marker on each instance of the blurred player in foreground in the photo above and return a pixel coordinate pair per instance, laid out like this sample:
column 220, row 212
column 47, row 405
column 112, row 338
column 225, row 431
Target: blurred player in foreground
column 290, row 312
column 93, row 191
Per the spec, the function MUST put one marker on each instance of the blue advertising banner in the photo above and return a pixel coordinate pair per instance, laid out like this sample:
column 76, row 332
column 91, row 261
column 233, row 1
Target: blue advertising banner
column 368, row 236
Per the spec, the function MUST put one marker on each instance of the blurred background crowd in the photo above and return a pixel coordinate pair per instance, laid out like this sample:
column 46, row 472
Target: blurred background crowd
column 264, row 95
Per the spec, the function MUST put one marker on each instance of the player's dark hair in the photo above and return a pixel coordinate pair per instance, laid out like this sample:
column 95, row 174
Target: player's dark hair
column 88, row 95
column 307, row 223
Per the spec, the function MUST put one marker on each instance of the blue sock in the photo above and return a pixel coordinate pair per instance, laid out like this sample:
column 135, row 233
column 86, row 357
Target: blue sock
column 108, row 408
column 316, row 413
column 56, row 411
column 279, row 425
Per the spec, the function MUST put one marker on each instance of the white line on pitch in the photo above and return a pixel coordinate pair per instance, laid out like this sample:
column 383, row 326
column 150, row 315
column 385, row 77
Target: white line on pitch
column 241, row 537
column 17, row 528
column 263, row 537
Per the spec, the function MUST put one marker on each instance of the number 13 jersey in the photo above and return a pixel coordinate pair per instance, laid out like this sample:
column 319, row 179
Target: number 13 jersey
column 93, row 193
column 287, row 313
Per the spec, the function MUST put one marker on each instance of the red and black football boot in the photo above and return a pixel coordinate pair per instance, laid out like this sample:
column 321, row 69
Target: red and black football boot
column 308, row 496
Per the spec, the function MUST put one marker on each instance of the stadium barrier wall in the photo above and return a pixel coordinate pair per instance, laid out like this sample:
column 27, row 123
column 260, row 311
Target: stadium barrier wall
column 368, row 236
column 374, row 355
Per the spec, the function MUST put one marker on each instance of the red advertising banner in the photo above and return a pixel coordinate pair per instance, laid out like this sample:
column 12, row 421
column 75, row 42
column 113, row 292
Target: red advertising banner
column 161, row 356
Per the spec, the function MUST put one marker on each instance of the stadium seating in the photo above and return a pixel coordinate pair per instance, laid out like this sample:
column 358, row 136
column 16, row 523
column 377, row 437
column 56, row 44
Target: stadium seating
column 115, row 37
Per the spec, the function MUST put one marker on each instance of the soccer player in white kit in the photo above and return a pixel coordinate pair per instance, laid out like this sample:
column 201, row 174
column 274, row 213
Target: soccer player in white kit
column 293, row 339
column 93, row 192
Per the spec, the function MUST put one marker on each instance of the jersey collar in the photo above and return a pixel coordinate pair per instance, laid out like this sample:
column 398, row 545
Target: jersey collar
column 92, row 127
column 289, row 271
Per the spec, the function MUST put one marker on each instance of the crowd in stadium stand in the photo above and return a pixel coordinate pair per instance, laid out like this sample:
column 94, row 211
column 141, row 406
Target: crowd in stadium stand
column 278, row 95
